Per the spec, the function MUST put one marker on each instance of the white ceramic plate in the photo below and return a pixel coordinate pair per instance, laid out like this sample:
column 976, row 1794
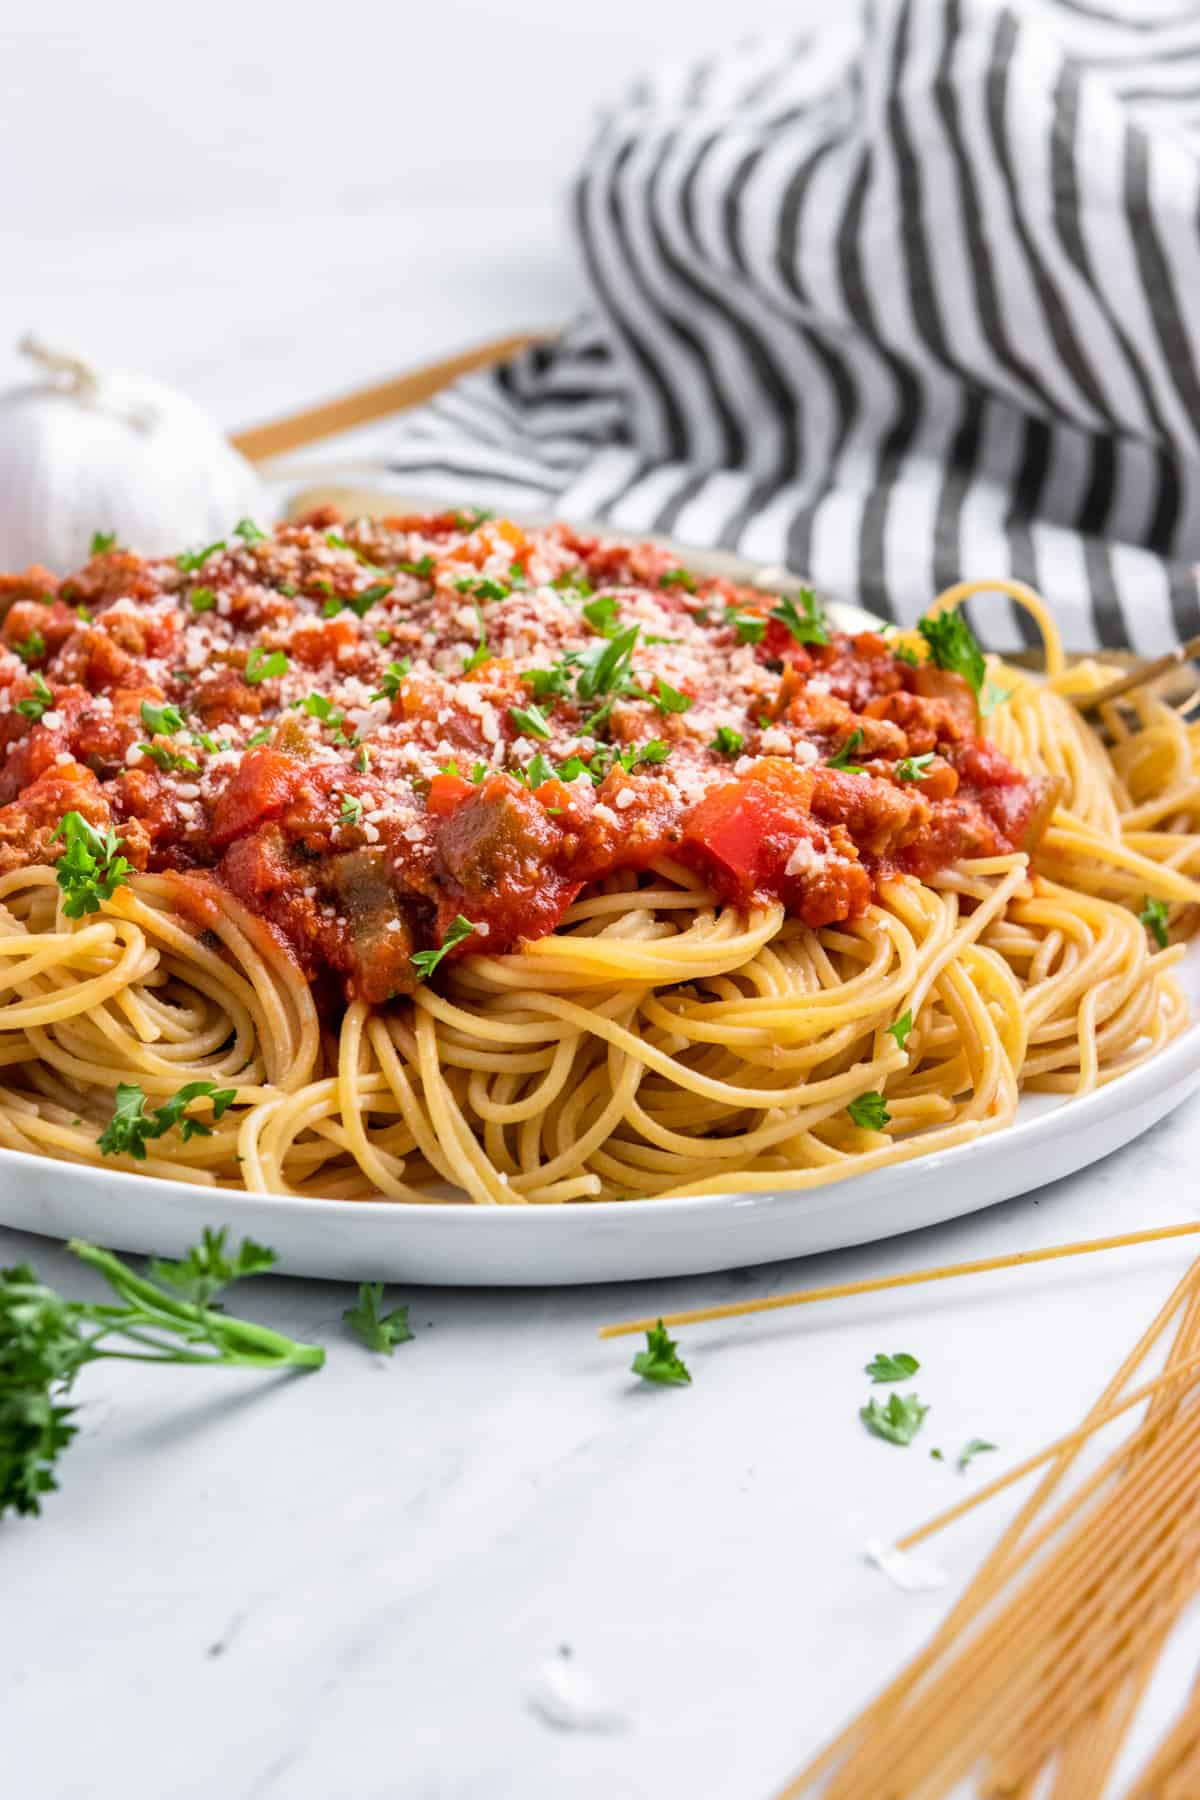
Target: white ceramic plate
column 452, row 1245
column 630, row 1241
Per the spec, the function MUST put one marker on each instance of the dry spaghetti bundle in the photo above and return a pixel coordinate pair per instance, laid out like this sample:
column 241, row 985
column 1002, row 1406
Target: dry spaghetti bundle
column 1034, row 1679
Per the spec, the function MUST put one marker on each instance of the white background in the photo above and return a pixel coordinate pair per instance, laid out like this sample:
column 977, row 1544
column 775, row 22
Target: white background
column 344, row 1584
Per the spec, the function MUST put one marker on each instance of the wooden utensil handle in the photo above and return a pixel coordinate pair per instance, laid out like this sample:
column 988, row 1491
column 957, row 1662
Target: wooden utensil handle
column 277, row 437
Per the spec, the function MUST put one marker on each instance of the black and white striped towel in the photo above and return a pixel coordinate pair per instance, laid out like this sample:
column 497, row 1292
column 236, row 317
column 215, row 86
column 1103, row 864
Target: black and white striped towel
column 914, row 299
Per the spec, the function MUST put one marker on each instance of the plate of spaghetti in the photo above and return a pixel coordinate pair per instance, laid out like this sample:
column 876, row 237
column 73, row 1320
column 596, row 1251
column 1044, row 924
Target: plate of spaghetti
column 446, row 898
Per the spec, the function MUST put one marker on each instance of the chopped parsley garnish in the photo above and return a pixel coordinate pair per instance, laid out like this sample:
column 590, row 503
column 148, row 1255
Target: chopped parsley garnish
column 656, row 751
column 422, row 567
column 903, row 654
column 901, row 1029
column 899, row 1420
column 103, row 542
column 352, row 810
column 249, row 533
column 898, row 1367
column 482, row 587
column 669, row 699
column 191, row 560
column 603, row 614
column 172, row 761
column 606, row 668
column 289, row 589
column 262, row 665
column 572, row 582
column 843, row 758
column 870, row 1112
column 530, row 719
column 750, row 627
column 678, row 578
column 470, row 518
column 913, row 768
column 806, row 622
column 40, row 701
column 378, row 1331
column 389, row 681
column 362, row 603
column 727, row 741
column 953, row 645
column 91, row 867
column 203, row 599
column 362, row 761
column 971, row 1449
column 131, row 1125
column 478, row 771
column 481, row 653
column 161, row 720
column 538, row 770
column 263, row 735
column 1153, row 916
column 548, row 682
column 660, row 1360
column 32, row 649
column 426, row 961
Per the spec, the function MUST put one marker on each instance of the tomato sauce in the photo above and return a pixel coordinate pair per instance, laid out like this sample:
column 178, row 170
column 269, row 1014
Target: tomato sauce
column 369, row 732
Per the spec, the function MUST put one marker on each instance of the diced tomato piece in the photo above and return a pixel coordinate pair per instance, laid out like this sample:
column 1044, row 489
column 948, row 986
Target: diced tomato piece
column 261, row 786
column 447, row 793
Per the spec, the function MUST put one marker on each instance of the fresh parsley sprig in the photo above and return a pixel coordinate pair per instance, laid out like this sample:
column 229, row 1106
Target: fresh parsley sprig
column 164, row 1316
column 899, row 1420
column 426, row 961
column 843, row 758
column 90, row 868
column 131, row 1125
column 378, row 1331
column 1154, row 916
column 953, row 646
column 806, row 622
column 897, row 1367
column 35, row 704
column 660, row 1360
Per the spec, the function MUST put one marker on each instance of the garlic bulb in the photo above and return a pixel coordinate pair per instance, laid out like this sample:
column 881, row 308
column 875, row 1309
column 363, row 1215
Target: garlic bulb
column 82, row 452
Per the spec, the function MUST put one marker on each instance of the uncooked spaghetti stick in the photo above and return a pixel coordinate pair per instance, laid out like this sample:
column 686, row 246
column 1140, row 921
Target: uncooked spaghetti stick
column 737, row 1309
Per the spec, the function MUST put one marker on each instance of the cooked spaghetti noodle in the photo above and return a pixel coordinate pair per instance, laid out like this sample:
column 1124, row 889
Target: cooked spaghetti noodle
column 761, row 929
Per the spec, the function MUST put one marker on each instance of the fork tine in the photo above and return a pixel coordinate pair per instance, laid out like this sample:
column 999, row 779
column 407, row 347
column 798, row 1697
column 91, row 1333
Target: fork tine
column 1136, row 678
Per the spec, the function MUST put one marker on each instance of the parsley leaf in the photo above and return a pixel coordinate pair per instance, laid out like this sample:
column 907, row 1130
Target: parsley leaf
column 422, row 567
column 678, row 578
column 361, row 604
column 90, row 868
column 191, row 560
column 481, row 653
column 750, row 628
column 898, row 1421
column 953, row 645
column 971, row 1449
column 352, row 810
column 548, row 682
column 607, row 666
column 40, row 701
column 727, row 742
column 870, row 1112
column 262, row 736
column 572, row 582
column 102, row 542
column 264, row 666
column 807, row 623
column 161, row 721
column 170, row 761
column 203, row 599
column 389, row 681
column 131, row 1125
column 669, row 699
column 901, row 1029
column 208, row 1266
column 249, row 533
column 378, row 1331
column 913, row 768
column 32, row 649
column 842, row 759
column 602, row 614
column 470, row 518
column 530, row 719
column 1154, row 916
column 899, row 1367
column 660, row 1361
column 426, row 961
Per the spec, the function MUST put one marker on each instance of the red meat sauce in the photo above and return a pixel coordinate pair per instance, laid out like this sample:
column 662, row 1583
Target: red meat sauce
column 381, row 726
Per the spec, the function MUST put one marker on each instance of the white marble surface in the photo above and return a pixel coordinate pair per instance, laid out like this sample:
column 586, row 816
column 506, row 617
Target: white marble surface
column 345, row 1584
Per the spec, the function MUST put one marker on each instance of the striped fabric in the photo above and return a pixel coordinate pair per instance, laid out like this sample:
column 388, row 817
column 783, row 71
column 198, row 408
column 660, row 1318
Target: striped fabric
column 913, row 299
